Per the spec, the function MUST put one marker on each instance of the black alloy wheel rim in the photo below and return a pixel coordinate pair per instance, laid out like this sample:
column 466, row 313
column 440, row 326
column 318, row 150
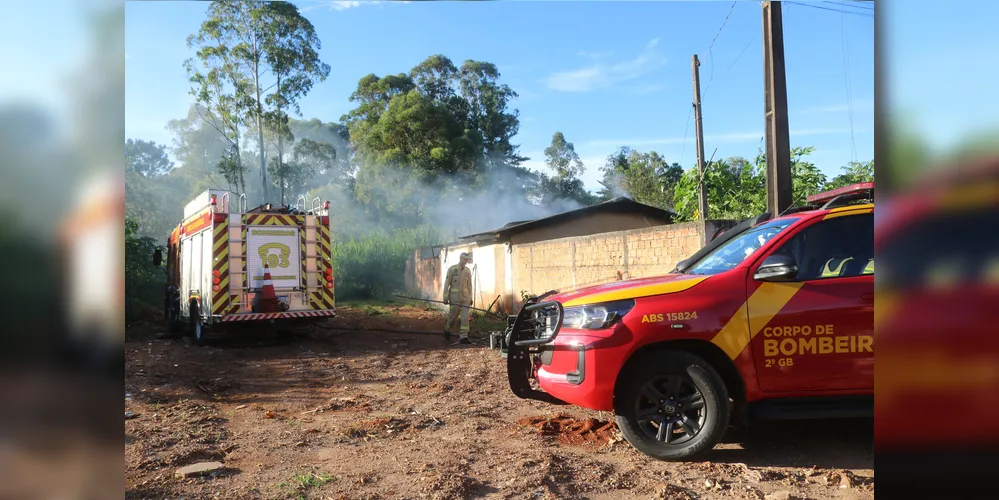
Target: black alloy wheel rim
column 670, row 410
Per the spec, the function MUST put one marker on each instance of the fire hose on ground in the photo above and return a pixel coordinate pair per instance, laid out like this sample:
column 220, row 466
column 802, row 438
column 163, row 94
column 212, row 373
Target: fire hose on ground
column 492, row 313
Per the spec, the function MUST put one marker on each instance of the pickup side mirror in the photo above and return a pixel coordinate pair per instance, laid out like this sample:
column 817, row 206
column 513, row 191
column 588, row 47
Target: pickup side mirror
column 777, row 268
column 157, row 257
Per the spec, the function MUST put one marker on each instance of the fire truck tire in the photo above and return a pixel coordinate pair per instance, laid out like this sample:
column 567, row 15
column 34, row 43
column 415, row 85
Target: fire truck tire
column 672, row 406
column 173, row 319
column 197, row 326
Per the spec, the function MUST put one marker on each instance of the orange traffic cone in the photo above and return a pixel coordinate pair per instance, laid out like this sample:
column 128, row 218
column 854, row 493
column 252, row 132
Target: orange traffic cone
column 268, row 301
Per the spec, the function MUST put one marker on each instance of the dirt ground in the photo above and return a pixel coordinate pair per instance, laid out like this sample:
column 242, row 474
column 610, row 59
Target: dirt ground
column 351, row 411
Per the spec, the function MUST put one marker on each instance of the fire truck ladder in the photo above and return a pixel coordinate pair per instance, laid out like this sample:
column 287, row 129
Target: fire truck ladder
column 309, row 257
column 237, row 259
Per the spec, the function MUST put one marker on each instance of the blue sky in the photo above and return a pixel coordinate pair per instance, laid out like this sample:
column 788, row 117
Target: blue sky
column 606, row 74
column 940, row 67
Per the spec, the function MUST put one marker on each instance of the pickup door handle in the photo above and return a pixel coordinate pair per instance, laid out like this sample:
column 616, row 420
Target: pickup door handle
column 867, row 297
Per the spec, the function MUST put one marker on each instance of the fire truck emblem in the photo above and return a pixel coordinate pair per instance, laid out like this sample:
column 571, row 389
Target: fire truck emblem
column 274, row 260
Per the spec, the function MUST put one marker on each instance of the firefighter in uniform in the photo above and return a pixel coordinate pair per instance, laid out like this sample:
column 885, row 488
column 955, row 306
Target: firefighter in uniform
column 458, row 294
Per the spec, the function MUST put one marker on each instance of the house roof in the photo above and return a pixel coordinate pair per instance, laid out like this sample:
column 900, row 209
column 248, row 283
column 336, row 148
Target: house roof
column 620, row 204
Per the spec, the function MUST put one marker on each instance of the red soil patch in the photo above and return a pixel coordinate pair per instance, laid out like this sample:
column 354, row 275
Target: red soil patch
column 567, row 430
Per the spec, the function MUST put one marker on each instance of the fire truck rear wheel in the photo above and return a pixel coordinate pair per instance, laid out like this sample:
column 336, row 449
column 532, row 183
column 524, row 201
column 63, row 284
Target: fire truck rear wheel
column 672, row 406
column 173, row 319
column 197, row 326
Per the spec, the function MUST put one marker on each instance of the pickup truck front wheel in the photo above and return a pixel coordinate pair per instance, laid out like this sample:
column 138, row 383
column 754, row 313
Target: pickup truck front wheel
column 672, row 406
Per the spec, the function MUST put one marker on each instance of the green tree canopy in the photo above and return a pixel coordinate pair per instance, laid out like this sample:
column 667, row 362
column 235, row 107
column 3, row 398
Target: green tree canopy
column 564, row 184
column 645, row 177
column 438, row 132
column 737, row 188
column 254, row 61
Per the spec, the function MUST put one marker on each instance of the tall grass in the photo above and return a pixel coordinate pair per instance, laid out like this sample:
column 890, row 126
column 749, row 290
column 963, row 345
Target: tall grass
column 373, row 266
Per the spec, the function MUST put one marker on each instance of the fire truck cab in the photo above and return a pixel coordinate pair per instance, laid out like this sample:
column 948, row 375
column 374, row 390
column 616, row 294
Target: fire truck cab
column 772, row 319
column 216, row 260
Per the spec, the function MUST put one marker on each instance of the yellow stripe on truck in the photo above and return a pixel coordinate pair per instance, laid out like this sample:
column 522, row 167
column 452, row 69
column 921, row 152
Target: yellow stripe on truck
column 637, row 292
column 970, row 197
column 842, row 211
column 763, row 305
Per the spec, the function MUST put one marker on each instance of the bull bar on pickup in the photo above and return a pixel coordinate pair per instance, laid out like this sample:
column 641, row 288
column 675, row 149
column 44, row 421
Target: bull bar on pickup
column 524, row 339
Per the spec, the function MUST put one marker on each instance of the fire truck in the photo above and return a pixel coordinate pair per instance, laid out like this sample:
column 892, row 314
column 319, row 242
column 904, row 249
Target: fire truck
column 772, row 319
column 217, row 256
column 90, row 244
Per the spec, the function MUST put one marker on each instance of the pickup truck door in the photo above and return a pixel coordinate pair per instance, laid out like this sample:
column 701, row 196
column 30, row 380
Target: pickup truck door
column 816, row 332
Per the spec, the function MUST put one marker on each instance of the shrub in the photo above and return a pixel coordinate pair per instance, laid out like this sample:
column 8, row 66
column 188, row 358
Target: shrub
column 143, row 281
column 374, row 266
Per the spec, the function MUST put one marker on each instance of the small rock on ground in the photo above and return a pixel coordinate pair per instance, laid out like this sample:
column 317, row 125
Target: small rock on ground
column 199, row 469
column 782, row 495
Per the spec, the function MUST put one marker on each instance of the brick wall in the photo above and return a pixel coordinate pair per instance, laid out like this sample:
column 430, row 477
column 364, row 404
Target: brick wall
column 568, row 263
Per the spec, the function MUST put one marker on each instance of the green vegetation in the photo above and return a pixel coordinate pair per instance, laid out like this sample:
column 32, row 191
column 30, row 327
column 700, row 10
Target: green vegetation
column 374, row 266
column 143, row 280
column 303, row 482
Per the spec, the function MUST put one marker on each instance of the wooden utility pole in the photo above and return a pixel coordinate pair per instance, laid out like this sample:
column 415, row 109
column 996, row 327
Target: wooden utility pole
column 702, row 194
column 779, row 188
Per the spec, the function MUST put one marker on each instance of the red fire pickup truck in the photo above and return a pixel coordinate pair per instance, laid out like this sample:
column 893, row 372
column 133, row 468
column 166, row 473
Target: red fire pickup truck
column 773, row 318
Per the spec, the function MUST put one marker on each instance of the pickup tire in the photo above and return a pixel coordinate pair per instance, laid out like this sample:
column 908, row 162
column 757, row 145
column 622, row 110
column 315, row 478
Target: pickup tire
column 672, row 405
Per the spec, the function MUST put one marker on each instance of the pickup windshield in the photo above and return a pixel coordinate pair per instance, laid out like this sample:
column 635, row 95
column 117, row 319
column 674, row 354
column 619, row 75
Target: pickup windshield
column 739, row 248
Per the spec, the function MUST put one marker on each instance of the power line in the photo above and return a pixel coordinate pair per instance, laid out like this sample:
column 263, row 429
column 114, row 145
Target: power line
column 852, row 4
column 712, row 44
column 846, row 77
column 683, row 150
column 729, row 70
column 853, row 13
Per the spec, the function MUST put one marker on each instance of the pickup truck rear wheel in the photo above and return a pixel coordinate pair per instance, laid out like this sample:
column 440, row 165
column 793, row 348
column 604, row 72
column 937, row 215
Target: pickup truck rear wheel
column 672, row 406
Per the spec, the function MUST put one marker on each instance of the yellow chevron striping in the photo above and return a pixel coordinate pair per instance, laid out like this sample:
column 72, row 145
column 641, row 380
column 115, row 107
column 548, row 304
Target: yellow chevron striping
column 753, row 315
column 637, row 292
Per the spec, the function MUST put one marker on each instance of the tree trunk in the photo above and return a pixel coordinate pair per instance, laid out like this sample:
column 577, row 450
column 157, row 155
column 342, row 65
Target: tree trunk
column 260, row 118
column 239, row 162
column 280, row 157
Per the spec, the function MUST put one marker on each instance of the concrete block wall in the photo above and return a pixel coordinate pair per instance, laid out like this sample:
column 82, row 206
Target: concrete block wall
column 568, row 263
column 423, row 274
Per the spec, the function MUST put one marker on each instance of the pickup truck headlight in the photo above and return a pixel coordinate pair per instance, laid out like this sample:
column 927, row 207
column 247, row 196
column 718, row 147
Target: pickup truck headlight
column 596, row 316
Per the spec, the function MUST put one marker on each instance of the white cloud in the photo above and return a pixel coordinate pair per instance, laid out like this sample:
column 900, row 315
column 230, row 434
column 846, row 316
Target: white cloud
column 648, row 89
column 858, row 105
column 341, row 5
column 344, row 5
column 524, row 95
column 827, row 131
column 602, row 75
column 724, row 138
column 594, row 54
column 591, row 175
column 731, row 137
